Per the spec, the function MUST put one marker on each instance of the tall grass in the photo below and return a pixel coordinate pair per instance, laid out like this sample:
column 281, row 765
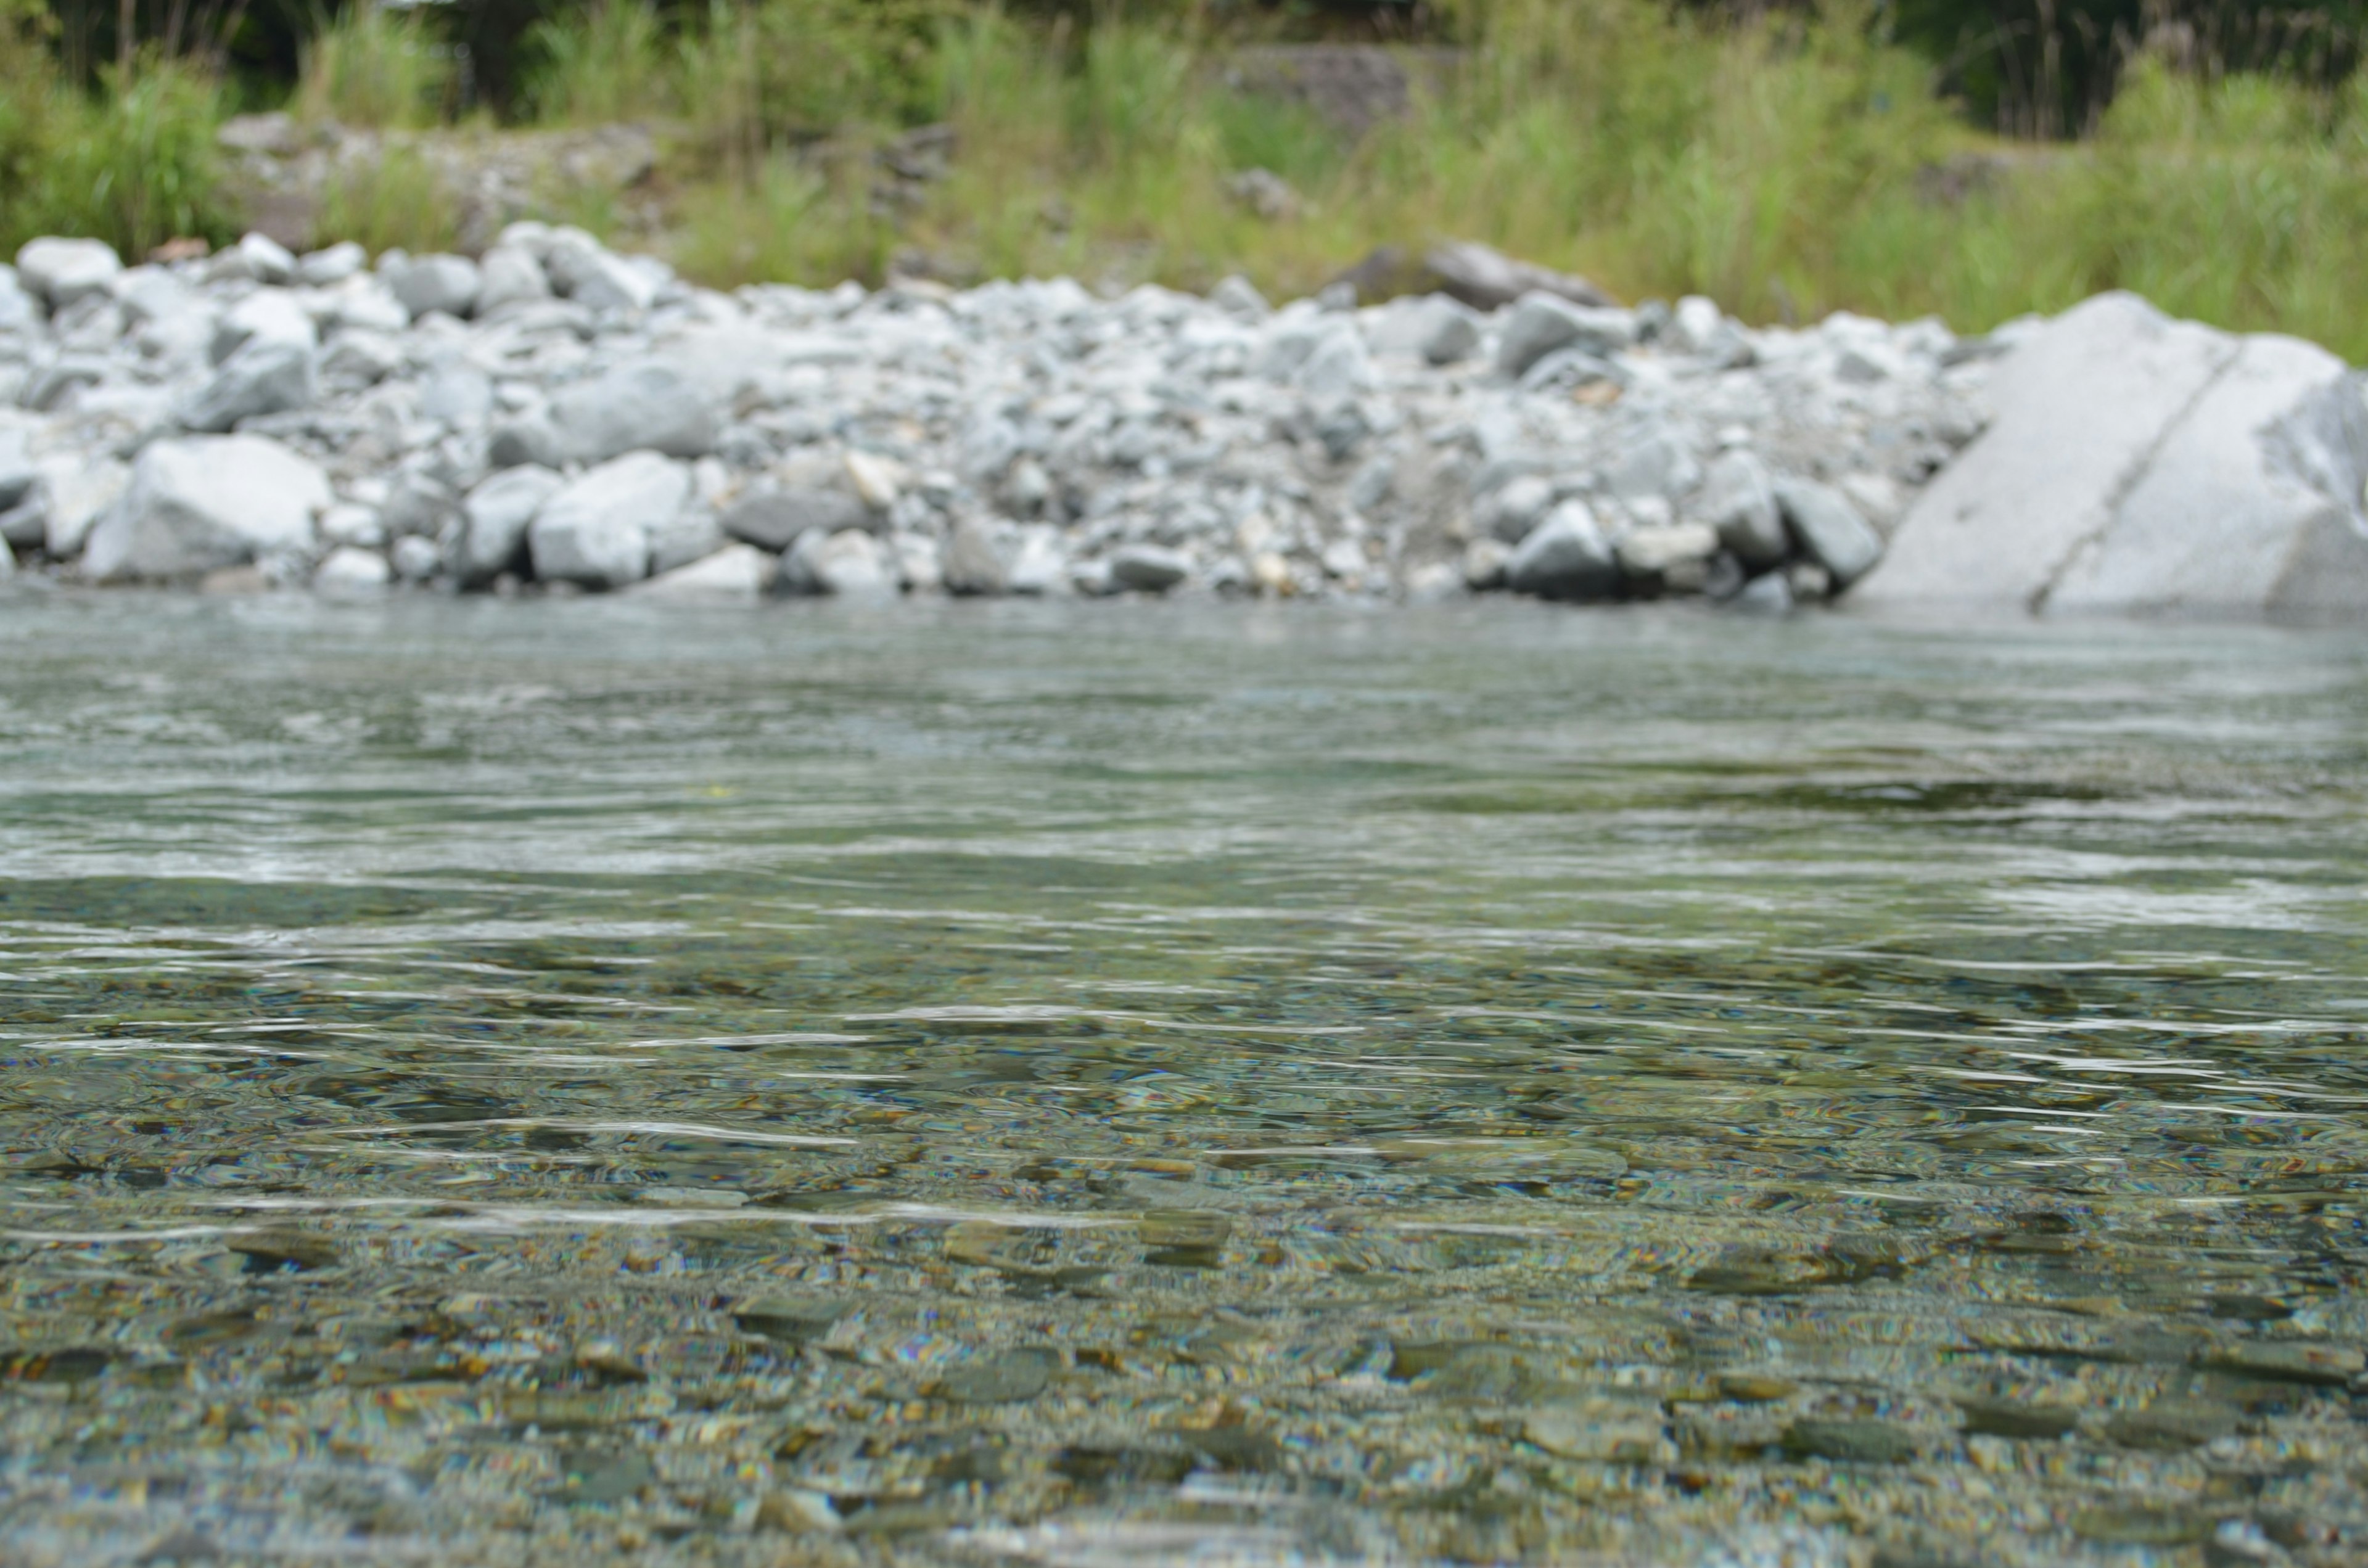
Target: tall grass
column 134, row 164
column 376, row 66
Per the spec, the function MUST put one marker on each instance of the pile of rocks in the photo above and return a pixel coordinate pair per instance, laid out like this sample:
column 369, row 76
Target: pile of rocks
column 554, row 417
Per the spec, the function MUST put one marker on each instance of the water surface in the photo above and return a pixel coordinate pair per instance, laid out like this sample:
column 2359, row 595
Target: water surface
column 1128, row 1082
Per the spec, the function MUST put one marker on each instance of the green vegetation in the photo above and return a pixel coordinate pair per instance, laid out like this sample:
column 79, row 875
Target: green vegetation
column 1787, row 165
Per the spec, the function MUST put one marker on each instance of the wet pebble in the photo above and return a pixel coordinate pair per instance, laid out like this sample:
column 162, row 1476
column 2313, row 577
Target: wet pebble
column 1005, row 1377
column 1850, row 1441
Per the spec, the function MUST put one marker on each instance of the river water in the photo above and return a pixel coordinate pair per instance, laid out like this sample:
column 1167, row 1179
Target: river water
column 1082, row 1083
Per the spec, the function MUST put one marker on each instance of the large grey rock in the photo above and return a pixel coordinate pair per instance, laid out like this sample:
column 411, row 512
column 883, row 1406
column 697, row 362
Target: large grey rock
column 495, row 519
column 1739, row 500
column 446, row 283
column 206, row 502
column 2249, row 506
column 334, row 264
column 1541, row 323
column 775, row 512
column 264, row 377
column 1565, row 557
column 1829, row 530
column 648, row 405
column 58, row 272
column 360, row 358
column 971, row 564
column 597, row 530
column 690, row 535
column 532, row 439
column 849, row 564
column 2080, row 411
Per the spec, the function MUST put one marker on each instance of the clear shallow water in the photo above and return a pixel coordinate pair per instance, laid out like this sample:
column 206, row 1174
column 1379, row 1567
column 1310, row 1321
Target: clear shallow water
column 1118, row 1082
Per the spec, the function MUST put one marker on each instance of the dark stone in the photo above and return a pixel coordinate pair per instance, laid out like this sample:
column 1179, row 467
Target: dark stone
column 1850, row 1441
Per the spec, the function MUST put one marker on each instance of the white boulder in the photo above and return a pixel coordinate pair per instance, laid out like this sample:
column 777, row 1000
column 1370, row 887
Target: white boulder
column 849, row 564
column 497, row 513
column 737, row 574
column 206, row 502
column 350, row 572
column 647, row 405
column 446, row 283
column 597, row 530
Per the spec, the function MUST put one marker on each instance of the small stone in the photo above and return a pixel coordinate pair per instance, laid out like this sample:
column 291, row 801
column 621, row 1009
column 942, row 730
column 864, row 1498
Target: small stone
column 792, row 1320
column 445, row 283
column 1739, row 500
column 496, row 514
column 2016, row 1418
column 2140, row 1524
column 1850, row 1441
column 2173, row 1425
column 737, row 574
column 846, row 565
column 1606, row 1430
column 262, row 377
column 2287, row 1360
column 1541, row 322
column 509, row 275
column 1829, row 530
column 321, row 268
column 1149, row 568
column 1008, row 1377
column 350, row 572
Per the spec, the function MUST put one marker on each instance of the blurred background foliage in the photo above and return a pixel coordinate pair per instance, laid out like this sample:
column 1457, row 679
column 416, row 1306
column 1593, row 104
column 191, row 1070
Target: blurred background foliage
column 1977, row 158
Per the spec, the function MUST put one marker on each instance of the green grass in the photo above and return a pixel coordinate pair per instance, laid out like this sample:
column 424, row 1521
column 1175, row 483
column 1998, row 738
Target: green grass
column 1787, row 167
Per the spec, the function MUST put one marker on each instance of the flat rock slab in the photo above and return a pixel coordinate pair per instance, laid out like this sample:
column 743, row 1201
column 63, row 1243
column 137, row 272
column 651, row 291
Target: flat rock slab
column 2137, row 464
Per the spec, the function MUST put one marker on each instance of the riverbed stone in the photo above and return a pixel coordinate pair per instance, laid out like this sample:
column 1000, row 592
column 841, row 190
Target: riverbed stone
column 849, row 564
column 1739, row 500
column 596, row 531
column 60, row 271
column 350, row 572
column 497, row 515
column 1149, row 568
column 648, row 405
column 1829, row 530
column 1541, row 322
column 264, row 376
column 1565, row 557
column 202, row 502
column 737, row 574
column 446, row 283
column 971, row 565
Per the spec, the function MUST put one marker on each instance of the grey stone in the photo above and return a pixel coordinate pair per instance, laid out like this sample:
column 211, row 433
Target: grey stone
column 1565, row 557
column 774, row 515
column 532, row 439
column 1008, row 1377
column 76, row 491
column 1541, row 322
column 459, row 396
column 416, row 503
column 648, row 405
column 264, row 259
column 1738, row 499
column 737, row 574
column 1850, row 1441
column 58, row 271
column 581, row 270
column 351, row 523
column 509, row 275
column 446, row 283
column 1653, row 461
column 2173, row 1425
column 417, row 558
column 206, row 502
column 1768, row 593
column 597, row 530
column 264, row 377
column 848, row 563
column 268, row 315
column 495, row 515
column 323, row 268
column 350, row 572
column 1652, row 553
column 971, row 564
column 19, row 309
column 1149, row 568
column 1829, row 530
column 1486, row 280
column 1514, row 508
column 690, row 535
column 360, row 358
column 1238, row 298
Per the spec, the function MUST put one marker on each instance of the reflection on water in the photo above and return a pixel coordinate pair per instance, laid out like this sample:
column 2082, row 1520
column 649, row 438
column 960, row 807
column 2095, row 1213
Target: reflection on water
column 1098, row 1083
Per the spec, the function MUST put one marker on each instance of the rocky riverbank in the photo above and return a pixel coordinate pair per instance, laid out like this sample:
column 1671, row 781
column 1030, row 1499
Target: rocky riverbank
column 550, row 417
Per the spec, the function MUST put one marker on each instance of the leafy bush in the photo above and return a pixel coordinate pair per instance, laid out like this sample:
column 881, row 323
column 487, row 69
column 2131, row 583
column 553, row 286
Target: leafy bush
column 375, row 66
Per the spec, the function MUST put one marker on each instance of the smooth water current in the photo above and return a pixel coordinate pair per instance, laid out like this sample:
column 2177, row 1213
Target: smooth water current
column 570, row 1082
